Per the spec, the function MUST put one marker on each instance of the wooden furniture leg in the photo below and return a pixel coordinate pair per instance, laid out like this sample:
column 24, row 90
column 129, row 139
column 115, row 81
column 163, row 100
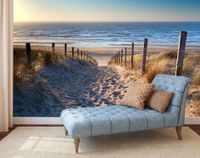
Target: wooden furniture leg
column 66, row 132
column 76, row 143
column 179, row 134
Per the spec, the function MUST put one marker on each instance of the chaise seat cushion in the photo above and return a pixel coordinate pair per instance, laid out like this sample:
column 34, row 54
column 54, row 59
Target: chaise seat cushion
column 96, row 121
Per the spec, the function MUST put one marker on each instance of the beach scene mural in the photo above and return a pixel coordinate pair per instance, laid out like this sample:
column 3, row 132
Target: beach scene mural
column 83, row 53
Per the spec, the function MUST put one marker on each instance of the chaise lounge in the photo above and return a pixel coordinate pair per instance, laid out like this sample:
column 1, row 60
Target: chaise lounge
column 97, row 121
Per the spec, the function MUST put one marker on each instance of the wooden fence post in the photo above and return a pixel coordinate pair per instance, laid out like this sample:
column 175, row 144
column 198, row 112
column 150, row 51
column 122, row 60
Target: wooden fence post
column 53, row 47
column 125, row 60
column 65, row 50
column 181, row 53
column 121, row 57
column 132, row 55
column 144, row 55
column 28, row 52
column 81, row 54
column 72, row 52
column 78, row 53
column 116, row 58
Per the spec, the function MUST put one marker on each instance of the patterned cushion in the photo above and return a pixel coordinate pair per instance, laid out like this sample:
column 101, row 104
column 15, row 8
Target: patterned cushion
column 137, row 94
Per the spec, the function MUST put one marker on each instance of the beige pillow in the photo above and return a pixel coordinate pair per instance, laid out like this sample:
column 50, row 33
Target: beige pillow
column 159, row 100
column 136, row 95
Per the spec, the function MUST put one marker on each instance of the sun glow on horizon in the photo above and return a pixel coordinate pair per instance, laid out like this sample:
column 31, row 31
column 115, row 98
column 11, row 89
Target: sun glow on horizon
column 101, row 10
column 22, row 13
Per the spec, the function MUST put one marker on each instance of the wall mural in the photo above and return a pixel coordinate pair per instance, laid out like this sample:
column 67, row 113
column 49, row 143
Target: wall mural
column 71, row 61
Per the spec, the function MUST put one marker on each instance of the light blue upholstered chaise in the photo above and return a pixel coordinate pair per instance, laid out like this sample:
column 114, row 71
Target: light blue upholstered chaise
column 97, row 121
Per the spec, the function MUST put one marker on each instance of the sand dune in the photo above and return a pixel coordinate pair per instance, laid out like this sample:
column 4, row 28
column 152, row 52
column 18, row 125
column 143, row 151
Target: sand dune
column 70, row 83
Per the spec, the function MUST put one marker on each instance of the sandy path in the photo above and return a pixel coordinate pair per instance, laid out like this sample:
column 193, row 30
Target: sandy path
column 102, row 57
column 68, row 84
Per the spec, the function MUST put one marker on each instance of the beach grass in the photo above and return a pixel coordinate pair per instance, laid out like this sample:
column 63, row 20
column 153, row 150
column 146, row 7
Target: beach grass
column 40, row 57
column 196, row 79
column 163, row 62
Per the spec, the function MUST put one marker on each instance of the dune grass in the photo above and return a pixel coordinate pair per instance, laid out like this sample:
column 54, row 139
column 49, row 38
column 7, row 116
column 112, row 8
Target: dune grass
column 160, row 63
column 196, row 78
column 165, row 62
column 39, row 58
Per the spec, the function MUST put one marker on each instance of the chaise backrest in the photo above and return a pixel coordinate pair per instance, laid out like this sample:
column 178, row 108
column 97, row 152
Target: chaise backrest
column 179, row 85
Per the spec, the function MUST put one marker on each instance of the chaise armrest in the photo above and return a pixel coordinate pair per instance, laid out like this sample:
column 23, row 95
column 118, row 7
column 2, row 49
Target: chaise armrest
column 179, row 85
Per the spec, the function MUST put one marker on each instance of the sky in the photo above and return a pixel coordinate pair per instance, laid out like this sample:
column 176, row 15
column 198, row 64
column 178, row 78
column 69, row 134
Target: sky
column 106, row 10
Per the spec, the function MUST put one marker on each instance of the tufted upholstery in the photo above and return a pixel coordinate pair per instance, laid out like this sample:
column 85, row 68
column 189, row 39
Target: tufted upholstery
column 95, row 121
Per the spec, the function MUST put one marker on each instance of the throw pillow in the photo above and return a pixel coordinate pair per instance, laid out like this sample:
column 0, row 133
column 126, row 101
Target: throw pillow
column 159, row 100
column 136, row 95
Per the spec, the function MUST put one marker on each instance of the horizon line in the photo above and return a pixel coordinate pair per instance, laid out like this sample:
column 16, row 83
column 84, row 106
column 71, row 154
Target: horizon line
column 102, row 21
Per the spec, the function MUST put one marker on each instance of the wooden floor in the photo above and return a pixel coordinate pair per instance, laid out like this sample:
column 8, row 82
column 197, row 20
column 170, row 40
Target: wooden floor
column 195, row 128
column 4, row 134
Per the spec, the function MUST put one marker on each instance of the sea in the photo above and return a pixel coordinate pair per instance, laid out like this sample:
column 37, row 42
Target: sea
column 106, row 34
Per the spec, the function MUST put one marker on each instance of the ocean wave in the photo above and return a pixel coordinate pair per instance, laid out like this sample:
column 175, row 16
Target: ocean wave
column 106, row 34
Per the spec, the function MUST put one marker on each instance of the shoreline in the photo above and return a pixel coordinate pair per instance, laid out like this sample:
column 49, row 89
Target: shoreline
column 104, row 54
column 137, row 44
